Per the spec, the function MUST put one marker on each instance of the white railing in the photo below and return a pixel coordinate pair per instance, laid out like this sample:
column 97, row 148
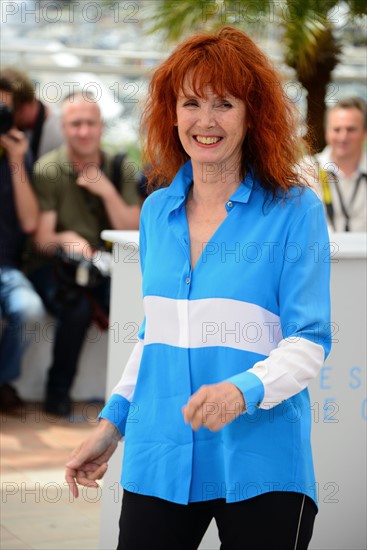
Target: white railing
column 99, row 61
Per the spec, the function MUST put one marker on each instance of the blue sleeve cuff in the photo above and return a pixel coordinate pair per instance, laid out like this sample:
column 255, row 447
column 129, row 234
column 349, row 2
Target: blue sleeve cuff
column 251, row 387
column 116, row 411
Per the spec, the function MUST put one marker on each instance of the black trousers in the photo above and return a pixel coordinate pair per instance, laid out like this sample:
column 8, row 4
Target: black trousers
column 272, row 521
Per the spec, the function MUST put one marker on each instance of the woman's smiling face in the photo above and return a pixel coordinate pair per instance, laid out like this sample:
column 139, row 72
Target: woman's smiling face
column 211, row 128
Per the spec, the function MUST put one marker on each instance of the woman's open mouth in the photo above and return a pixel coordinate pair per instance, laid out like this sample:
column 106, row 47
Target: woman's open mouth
column 206, row 140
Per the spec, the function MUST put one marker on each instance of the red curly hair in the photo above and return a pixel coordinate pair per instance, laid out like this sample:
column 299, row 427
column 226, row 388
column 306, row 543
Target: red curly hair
column 230, row 62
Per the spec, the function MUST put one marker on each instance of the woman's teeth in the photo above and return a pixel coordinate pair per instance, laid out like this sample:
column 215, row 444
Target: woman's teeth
column 207, row 140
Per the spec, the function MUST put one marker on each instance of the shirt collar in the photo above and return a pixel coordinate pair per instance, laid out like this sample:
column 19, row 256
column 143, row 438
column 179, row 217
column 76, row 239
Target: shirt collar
column 182, row 182
column 325, row 161
column 67, row 166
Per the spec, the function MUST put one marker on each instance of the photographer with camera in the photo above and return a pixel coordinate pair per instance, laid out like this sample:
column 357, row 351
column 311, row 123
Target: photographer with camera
column 78, row 200
column 19, row 214
column 37, row 119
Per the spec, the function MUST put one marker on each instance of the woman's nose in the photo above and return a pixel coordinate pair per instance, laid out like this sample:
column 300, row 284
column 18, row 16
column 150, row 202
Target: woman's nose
column 207, row 118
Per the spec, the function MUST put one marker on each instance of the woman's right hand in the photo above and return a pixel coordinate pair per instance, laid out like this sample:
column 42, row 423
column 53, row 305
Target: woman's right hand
column 88, row 461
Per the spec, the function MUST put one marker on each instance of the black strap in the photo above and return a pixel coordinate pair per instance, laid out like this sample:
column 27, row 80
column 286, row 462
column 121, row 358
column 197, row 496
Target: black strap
column 330, row 214
column 345, row 210
column 117, row 164
column 37, row 130
column 116, row 177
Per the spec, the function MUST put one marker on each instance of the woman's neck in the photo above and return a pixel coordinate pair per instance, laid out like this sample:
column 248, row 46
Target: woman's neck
column 212, row 185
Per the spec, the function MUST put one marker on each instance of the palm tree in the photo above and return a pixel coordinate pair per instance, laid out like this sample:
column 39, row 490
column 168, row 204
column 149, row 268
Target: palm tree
column 311, row 46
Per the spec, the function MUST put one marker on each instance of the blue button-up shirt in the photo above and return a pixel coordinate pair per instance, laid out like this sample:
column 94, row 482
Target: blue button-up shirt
column 254, row 311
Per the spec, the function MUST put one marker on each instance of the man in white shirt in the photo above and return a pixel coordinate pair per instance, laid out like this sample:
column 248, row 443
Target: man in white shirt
column 342, row 166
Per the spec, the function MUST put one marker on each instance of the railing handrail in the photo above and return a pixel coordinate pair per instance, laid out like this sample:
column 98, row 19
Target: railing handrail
column 85, row 52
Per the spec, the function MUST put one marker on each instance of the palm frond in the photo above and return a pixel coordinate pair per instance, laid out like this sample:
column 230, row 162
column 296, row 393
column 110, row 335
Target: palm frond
column 310, row 42
column 177, row 17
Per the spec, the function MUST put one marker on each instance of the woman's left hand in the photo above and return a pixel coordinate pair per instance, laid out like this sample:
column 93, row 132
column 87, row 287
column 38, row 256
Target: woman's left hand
column 214, row 406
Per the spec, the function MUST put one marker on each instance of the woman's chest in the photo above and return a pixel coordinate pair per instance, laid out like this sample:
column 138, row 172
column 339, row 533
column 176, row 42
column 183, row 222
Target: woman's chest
column 201, row 231
column 233, row 259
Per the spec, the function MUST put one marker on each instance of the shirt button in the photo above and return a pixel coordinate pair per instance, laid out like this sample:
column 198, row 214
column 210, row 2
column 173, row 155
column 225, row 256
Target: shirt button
column 229, row 204
column 188, row 280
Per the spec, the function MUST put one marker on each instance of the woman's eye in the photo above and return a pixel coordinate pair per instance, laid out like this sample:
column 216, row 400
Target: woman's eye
column 190, row 103
column 225, row 104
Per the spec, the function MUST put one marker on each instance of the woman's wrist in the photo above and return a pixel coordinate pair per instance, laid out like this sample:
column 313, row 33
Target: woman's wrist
column 108, row 428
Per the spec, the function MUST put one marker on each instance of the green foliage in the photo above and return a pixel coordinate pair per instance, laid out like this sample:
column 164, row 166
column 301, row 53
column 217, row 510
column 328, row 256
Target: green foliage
column 305, row 22
column 357, row 7
column 309, row 43
column 177, row 17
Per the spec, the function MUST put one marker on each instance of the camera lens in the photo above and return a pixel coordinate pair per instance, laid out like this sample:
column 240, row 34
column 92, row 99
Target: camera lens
column 6, row 118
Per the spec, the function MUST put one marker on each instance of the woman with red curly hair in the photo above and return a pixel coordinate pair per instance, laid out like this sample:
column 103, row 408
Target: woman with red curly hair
column 231, row 64
column 213, row 402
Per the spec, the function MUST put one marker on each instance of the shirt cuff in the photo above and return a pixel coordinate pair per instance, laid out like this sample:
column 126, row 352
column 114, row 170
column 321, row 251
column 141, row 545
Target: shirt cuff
column 252, row 389
column 116, row 411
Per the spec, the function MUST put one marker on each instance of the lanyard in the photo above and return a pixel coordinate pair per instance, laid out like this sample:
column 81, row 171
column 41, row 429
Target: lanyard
column 325, row 177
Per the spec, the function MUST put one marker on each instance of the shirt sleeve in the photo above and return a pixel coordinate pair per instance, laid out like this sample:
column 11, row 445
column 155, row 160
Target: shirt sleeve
column 118, row 406
column 304, row 301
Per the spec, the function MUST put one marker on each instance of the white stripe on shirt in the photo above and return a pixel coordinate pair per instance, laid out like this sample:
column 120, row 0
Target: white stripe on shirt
column 211, row 322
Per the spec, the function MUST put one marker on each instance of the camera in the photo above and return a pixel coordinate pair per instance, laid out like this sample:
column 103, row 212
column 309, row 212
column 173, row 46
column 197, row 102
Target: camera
column 6, row 118
column 75, row 270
